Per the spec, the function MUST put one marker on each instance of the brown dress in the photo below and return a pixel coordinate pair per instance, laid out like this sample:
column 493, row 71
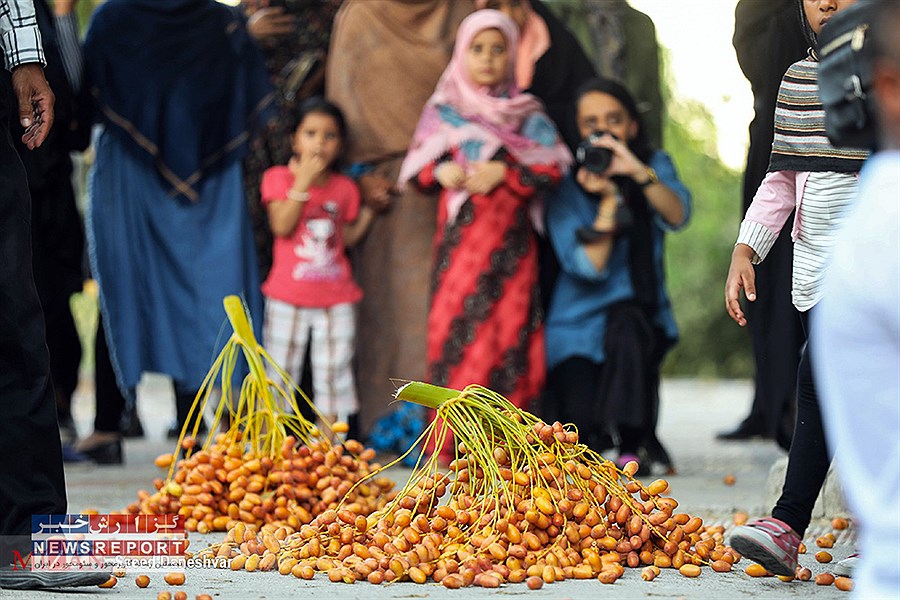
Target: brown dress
column 386, row 58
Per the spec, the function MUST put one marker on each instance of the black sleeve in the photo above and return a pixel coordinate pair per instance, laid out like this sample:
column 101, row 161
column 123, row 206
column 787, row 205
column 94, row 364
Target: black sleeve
column 559, row 73
column 767, row 37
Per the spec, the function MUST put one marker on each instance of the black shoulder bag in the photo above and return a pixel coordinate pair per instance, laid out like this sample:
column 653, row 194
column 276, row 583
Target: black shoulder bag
column 845, row 78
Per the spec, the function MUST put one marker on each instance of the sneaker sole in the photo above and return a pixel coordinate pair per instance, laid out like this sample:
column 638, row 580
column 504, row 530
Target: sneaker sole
column 759, row 551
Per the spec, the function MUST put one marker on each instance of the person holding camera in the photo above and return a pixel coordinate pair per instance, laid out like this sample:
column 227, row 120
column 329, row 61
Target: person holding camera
column 610, row 322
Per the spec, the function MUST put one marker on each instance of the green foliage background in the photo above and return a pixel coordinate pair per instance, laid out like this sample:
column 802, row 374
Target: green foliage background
column 697, row 258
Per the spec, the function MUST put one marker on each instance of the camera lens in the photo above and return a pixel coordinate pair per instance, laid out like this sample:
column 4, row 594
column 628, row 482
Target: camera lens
column 595, row 159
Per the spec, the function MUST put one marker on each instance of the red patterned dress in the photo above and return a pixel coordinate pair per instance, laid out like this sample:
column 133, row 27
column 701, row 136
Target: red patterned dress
column 484, row 322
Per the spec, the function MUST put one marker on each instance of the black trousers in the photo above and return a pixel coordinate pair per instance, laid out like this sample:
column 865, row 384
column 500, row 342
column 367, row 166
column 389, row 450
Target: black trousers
column 777, row 338
column 65, row 350
column 809, row 458
column 31, row 468
column 573, row 389
column 110, row 403
column 622, row 394
column 57, row 244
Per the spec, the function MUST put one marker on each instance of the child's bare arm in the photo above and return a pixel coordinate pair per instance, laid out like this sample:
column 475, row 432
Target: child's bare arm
column 283, row 216
column 740, row 275
column 375, row 189
column 354, row 232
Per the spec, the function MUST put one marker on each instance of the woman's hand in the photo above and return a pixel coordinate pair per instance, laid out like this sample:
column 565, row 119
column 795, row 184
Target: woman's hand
column 605, row 219
column 593, row 183
column 450, row 175
column 486, row 177
column 376, row 191
column 624, row 162
column 270, row 22
column 740, row 275
column 305, row 169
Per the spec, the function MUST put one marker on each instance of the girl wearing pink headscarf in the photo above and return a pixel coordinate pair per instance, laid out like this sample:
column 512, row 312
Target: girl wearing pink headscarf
column 550, row 64
column 491, row 149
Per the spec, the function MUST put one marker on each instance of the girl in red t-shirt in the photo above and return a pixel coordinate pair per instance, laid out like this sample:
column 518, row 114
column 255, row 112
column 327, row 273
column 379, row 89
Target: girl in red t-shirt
column 315, row 214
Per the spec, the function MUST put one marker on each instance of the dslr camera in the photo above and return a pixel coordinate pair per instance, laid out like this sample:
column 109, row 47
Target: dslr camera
column 595, row 159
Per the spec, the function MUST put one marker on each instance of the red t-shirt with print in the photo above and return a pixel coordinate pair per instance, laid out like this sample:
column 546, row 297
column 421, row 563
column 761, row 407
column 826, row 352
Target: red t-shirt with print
column 309, row 267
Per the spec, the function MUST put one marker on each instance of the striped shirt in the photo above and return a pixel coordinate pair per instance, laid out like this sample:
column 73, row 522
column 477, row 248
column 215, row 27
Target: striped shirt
column 800, row 142
column 821, row 200
column 825, row 201
column 20, row 39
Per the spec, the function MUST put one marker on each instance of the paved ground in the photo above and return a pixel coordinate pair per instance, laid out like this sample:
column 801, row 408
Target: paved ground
column 692, row 411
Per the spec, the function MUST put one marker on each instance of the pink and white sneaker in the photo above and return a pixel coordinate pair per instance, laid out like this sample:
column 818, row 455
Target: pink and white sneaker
column 770, row 542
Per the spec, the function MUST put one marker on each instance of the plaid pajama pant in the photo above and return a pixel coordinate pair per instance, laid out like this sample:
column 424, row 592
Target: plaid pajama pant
column 287, row 331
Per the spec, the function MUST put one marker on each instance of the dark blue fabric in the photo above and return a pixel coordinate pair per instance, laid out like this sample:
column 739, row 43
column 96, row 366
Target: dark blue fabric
column 163, row 267
column 181, row 81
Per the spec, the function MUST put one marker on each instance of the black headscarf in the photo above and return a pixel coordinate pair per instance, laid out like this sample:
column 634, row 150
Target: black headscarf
column 559, row 72
column 808, row 32
column 180, row 80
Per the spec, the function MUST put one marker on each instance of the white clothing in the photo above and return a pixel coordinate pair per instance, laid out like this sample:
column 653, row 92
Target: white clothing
column 856, row 342
column 825, row 202
column 821, row 199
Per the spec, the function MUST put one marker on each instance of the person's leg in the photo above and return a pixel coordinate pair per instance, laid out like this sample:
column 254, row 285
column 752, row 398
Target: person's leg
column 184, row 401
column 31, row 471
column 652, row 447
column 285, row 338
column 65, row 356
column 57, row 244
column 773, row 542
column 110, row 403
column 809, row 458
column 777, row 337
column 629, row 348
column 573, row 386
column 104, row 444
column 331, row 354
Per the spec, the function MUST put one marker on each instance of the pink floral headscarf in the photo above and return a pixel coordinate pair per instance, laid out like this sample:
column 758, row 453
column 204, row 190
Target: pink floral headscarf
column 481, row 119
column 534, row 41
